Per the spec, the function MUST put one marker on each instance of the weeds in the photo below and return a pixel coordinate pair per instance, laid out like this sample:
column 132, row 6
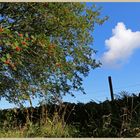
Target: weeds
column 107, row 119
column 50, row 128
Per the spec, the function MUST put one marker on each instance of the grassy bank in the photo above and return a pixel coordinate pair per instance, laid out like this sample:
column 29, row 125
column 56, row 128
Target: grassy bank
column 107, row 119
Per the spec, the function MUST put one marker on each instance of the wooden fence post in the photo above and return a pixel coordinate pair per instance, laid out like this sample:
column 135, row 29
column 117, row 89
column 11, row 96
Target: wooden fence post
column 111, row 88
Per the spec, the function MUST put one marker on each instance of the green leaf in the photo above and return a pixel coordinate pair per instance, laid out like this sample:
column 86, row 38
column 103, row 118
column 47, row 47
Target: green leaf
column 8, row 56
column 26, row 35
column 16, row 43
column 3, row 59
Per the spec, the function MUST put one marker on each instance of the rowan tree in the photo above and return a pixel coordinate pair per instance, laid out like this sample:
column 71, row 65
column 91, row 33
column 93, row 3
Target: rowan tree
column 46, row 49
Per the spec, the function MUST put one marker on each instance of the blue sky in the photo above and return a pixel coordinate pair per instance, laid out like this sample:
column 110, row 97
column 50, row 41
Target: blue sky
column 125, row 77
column 124, row 68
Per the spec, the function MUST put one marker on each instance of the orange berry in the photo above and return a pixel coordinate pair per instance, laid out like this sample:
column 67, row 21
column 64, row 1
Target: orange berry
column 27, row 38
column 1, row 29
column 23, row 43
column 18, row 49
column 7, row 61
column 21, row 35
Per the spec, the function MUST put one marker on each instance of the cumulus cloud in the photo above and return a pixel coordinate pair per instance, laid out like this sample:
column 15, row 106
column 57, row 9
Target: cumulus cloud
column 120, row 46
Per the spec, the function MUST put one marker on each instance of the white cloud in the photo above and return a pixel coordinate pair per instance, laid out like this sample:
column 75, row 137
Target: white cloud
column 120, row 46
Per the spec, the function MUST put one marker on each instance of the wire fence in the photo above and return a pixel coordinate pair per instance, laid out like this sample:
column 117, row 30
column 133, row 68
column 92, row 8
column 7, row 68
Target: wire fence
column 133, row 89
column 118, row 89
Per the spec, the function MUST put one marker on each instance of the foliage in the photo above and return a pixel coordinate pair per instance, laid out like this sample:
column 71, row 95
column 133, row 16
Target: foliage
column 45, row 49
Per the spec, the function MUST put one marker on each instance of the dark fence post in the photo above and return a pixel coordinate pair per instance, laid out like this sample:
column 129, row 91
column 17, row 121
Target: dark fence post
column 111, row 88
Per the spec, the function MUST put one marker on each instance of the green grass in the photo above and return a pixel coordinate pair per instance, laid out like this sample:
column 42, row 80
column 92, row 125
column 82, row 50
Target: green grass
column 49, row 129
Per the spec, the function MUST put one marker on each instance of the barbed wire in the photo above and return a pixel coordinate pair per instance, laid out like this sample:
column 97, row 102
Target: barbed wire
column 118, row 89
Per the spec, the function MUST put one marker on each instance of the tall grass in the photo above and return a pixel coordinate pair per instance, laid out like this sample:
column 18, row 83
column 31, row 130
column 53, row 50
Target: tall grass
column 47, row 126
column 108, row 119
column 46, row 130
